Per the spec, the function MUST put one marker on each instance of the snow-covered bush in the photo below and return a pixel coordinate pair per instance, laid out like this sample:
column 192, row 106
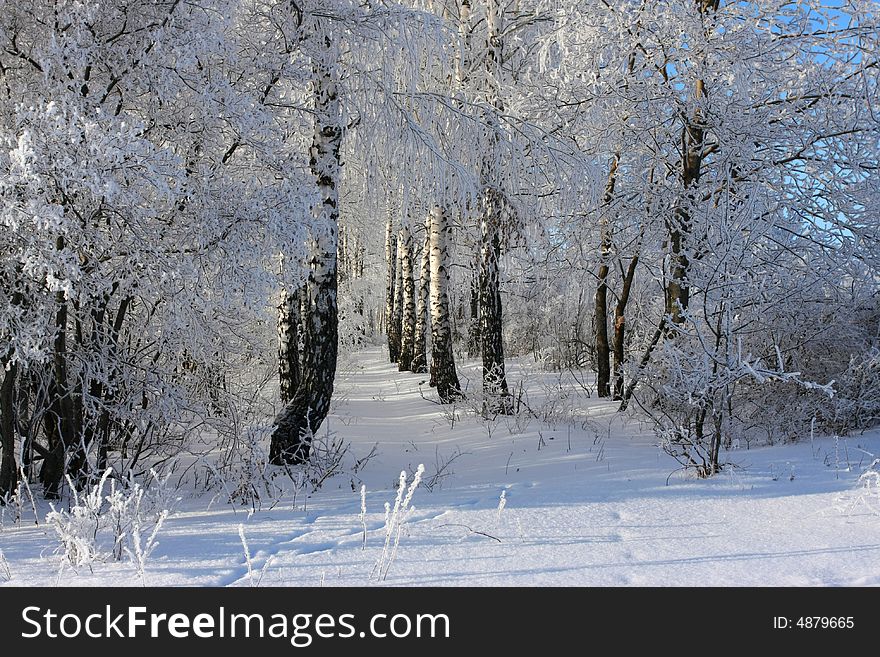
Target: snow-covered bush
column 243, row 473
column 77, row 528
column 112, row 519
column 395, row 521
column 5, row 570
column 856, row 405
column 869, row 486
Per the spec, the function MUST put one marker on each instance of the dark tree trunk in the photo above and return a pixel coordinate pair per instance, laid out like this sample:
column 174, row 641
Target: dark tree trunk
column 397, row 315
column 8, row 422
column 496, row 396
column 600, row 321
column 10, row 410
column 408, row 305
column 474, row 344
column 94, row 423
column 692, row 139
column 289, row 320
column 600, row 307
column 420, row 358
column 301, row 418
column 677, row 287
column 391, row 328
column 620, row 328
column 646, row 358
column 52, row 469
column 61, row 431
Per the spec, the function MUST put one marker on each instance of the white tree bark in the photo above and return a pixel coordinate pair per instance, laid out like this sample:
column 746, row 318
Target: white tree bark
column 420, row 359
column 408, row 314
column 496, row 396
column 397, row 316
column 442, row 360
column 302, row 416
column 288, row 345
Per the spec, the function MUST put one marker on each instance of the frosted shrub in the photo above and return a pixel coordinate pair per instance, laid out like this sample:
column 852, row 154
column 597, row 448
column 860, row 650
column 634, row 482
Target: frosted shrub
column 362, row 516
column 5, row 571
column 246, row 477
column 123, row 522
column 161, row 497
column 244, row 473
column 502, row 502
column 131, row 509
column 869, row 486
column 77, row 529
column 857, row 403
column 140, row 549
column 395, row 521
column 10, row 508
column 249, row 561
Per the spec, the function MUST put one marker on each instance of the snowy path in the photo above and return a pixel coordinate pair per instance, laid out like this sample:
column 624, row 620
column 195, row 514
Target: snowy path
column 586, row 505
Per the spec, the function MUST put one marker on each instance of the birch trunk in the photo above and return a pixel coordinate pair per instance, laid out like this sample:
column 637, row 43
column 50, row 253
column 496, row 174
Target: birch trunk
column 442, row 359
column 289, row 319
column 397, row 316
column 420, row 359
column 301, row 418
column 496, row 396
column 391, row 291
column 474, row 344
column 408, row 305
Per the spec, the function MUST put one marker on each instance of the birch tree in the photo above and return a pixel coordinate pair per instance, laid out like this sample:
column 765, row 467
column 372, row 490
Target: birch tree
column 420, row 361
column 391, row 325
column 297, row 423
column 443, row 371
column 408, row 302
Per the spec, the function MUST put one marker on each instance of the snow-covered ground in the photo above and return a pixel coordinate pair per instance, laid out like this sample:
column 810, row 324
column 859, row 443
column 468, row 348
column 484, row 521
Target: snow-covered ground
column 589, row 500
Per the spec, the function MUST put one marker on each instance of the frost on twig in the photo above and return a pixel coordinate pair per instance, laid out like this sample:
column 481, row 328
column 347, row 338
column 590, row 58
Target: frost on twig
column 395, row 521
column 249, row 561
column 5, row 571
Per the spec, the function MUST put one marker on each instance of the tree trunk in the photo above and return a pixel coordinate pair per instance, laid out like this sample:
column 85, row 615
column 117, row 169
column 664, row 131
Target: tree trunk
column 620, row 328
column 52, row 469
column 61, row 431
column 391, row 291
column 474, row 344
column 677, row 287
column 420, row 359
column 600, row 307
column 408, row 306
column 646, row 358
column 600, row 322
column 692, row 142
column 301, row 418
column 343, row 258
column 289, row 319
column 496, row 396
column 8, row 421
column 442, row 359
column 397, row 316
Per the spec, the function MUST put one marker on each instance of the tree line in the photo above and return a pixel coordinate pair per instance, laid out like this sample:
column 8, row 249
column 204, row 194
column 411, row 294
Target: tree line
column 202, row 201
